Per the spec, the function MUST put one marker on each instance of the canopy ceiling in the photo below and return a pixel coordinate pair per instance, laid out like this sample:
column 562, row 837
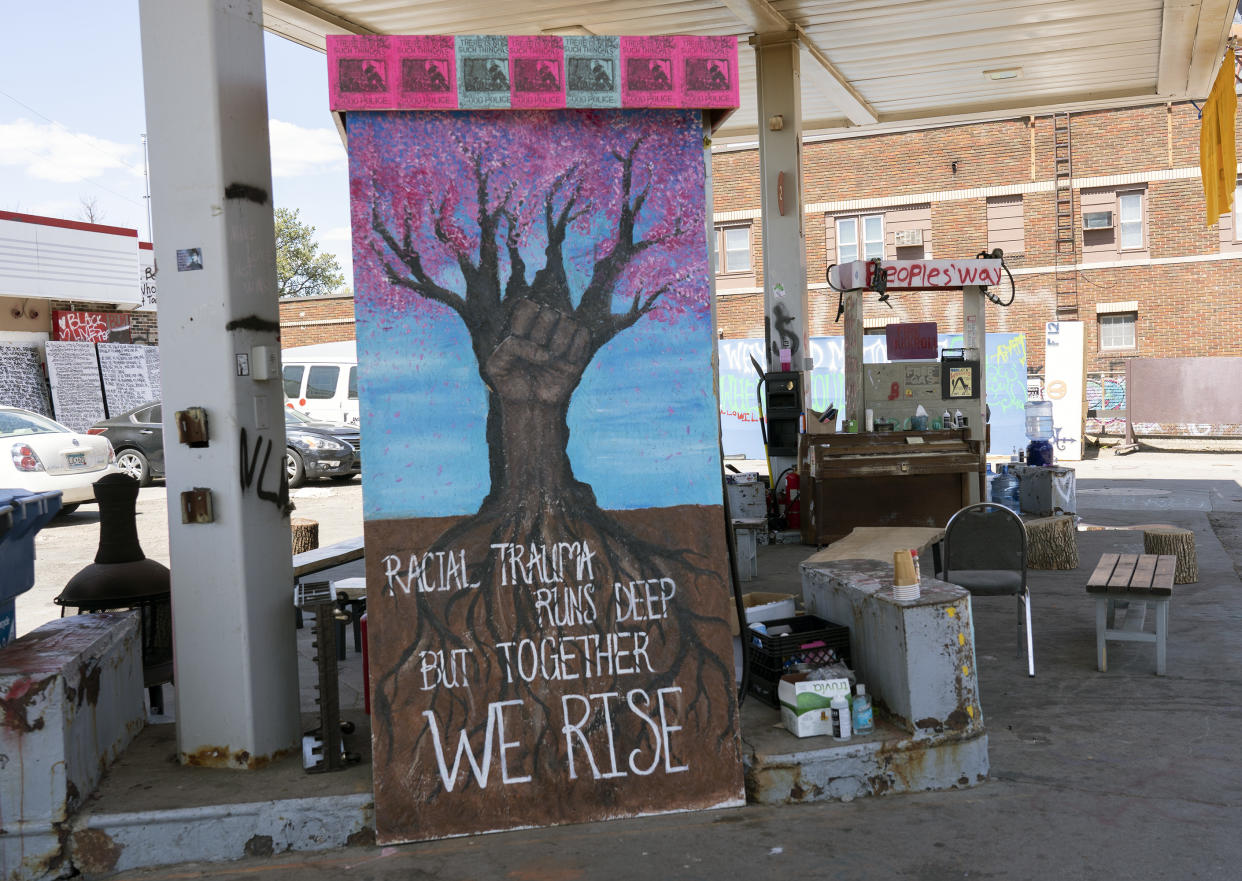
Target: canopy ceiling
column 870, row 63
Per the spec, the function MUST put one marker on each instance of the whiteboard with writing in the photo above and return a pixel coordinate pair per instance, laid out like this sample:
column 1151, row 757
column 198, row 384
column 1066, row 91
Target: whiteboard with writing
column 77, row 394
column 126, row 377
column 21, row 379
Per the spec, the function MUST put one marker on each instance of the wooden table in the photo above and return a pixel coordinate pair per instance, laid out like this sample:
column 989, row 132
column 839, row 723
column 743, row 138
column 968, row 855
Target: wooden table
column 1131, row 582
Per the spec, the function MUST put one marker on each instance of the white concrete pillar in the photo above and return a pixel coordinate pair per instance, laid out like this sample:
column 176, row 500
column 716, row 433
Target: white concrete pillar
column 975, row 336
column 780, row 169
column 211, row 184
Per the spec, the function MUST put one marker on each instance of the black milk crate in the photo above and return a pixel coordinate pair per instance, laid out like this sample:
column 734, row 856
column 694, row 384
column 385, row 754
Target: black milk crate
column 812, row 641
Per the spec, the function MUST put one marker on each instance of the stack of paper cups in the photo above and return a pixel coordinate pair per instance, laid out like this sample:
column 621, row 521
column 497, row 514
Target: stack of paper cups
column 905, row 578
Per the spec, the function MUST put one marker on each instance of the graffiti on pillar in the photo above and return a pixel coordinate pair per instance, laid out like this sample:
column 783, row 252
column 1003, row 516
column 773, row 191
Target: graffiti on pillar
column 266, row 474
column 545, row 546
column 784, row 334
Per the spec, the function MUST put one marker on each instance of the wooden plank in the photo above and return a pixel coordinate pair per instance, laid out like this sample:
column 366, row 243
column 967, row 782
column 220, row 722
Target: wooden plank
column 326, row 557
column 1120, row 582
column 1143, row 572
column 878, row 543
column 1162, row 583
column 1098, row 582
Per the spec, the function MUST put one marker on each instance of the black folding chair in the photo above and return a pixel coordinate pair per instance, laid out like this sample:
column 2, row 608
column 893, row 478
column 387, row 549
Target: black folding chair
column 985, row 553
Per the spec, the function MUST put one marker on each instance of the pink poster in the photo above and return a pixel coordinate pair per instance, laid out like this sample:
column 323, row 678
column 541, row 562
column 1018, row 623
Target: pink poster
column 360, row 74
column 536, row 73
column 709, row 71
column 426, row 72
column 650, row 75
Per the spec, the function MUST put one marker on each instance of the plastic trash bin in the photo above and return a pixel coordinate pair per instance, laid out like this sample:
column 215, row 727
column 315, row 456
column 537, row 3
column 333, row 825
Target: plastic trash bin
column 27, row 513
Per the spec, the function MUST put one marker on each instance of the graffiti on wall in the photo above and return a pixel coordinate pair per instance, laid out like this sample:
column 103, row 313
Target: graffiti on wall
column 90, row 327
column 739, row 407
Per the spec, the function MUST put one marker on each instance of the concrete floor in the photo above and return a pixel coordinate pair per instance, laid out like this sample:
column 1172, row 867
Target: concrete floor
column 1093, row 775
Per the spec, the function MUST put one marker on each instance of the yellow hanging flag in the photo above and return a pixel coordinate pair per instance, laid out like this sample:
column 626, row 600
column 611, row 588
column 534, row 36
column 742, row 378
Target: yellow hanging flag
column 1218, row 163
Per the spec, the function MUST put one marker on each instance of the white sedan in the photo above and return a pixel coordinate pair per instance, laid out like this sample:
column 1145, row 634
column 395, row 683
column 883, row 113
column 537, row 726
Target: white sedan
column 45, row 456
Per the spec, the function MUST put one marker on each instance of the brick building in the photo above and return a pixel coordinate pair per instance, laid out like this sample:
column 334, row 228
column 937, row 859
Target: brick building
column 1149, row 279
column 305, row 321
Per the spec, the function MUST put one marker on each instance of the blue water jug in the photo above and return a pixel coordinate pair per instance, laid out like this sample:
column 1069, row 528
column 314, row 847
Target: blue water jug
column 1005, row 490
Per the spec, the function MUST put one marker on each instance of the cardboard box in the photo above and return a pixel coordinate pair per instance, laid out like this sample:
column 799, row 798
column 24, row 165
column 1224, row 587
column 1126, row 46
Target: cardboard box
column 814, row 426
column 763, row 606
column 805, row 703
column 814, row 723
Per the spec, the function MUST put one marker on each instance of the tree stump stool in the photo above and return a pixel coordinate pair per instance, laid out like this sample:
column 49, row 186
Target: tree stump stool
column 1176, row 541
column 305, row 534
column 1051, row 543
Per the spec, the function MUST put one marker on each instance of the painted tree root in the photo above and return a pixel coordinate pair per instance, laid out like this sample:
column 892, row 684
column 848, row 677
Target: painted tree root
column 305, row 534
column 1052, row 543
column 1173, row 540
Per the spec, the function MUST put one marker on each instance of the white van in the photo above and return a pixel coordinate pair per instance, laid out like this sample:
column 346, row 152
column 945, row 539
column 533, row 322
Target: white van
column 322, row 380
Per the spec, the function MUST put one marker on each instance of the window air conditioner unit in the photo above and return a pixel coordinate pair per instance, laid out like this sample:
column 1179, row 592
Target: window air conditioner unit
column 907, row 237
column 1097, row 220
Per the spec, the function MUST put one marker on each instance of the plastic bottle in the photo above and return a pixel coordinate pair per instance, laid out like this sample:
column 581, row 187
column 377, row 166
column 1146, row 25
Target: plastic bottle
column 1013, row 456
column 840, row 708
column 958, row 419
column 861, row 716
column 946, row 420
column 1005, row 490
column 1039, row 420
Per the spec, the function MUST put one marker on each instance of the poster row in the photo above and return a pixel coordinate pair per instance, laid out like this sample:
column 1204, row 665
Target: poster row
column 440, row 72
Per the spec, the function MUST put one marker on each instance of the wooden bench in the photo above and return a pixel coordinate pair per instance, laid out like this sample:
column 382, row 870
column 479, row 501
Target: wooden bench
column 1129, row 583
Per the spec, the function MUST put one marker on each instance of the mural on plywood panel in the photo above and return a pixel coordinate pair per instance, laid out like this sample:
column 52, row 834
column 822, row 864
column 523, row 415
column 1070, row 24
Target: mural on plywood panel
column 546, row 557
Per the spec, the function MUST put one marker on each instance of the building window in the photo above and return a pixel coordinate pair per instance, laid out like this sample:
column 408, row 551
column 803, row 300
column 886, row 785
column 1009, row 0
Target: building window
column 1130, row 220
column 1117, row 330
column 732, row 250
column 1006, row 224
column 1113, row 224
column 860, row 238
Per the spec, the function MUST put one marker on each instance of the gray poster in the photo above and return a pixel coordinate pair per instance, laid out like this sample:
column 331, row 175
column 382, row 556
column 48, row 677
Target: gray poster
column 21, row 379
column 77, row 394
column 592, row 71
column 483, row 73
column 126, row 377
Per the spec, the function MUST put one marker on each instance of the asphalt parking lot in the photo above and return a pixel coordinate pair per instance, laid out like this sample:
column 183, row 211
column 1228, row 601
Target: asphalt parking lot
column 69, row 543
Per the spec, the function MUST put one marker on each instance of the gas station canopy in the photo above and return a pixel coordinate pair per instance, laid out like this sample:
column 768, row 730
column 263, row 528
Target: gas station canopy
column 866, row 63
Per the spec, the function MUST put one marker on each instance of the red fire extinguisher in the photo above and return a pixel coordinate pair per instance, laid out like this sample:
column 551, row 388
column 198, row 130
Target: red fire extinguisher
column 793, row 507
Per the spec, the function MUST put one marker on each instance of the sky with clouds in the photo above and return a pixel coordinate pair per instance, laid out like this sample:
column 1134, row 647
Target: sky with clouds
column 72, row 118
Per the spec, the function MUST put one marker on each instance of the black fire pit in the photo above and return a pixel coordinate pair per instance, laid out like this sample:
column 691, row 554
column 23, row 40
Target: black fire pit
column 123, row 578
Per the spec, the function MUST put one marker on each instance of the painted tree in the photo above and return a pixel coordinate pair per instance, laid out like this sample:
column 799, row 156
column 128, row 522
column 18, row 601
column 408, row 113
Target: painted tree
column 547, row 235
column 544, row 260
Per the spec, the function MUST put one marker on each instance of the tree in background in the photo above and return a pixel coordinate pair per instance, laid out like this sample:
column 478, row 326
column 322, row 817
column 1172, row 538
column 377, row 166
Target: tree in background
column 91, row 212
column 301, row 271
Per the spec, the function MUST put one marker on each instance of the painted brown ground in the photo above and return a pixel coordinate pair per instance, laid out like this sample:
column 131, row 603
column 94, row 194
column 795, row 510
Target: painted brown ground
column 688, row 646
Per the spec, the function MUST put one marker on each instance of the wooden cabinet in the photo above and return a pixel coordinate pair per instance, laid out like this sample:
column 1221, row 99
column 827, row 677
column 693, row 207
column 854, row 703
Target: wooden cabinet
column 903, row 478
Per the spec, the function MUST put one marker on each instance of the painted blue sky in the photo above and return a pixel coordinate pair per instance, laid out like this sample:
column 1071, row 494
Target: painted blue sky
column 72, row 118
column 643, row 420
